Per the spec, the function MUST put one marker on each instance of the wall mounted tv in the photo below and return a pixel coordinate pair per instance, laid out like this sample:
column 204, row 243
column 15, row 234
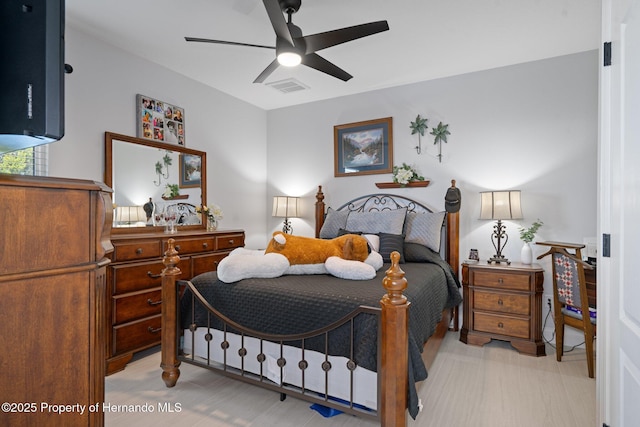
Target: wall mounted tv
column 32, row 73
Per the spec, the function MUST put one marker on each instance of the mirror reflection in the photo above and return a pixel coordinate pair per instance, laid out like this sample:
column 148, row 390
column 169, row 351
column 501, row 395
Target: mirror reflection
column 154, row 184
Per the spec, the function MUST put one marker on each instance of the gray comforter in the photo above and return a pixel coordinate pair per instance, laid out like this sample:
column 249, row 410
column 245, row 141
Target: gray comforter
column 298, row 304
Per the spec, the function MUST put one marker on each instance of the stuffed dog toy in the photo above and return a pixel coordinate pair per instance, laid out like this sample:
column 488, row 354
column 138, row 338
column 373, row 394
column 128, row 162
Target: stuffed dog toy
column 307, row 250
column 347, row 257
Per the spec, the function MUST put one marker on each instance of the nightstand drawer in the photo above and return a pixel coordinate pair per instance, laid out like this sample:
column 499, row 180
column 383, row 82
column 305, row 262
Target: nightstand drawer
column 503, row 325
column 137, row 306
column 501, row 302
column 501, row 280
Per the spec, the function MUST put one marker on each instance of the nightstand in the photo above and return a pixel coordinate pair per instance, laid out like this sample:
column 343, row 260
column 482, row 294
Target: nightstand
column 503, row 302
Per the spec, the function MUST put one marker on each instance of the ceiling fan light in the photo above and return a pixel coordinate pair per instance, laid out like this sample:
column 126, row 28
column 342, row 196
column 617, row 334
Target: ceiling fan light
column 289, row 59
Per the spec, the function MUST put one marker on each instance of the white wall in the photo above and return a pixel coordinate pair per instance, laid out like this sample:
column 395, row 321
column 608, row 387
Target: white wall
column 531, row 127
column 100, row 96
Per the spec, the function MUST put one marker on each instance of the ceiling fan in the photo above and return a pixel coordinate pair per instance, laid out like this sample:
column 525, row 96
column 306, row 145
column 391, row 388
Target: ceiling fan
column 292, row 48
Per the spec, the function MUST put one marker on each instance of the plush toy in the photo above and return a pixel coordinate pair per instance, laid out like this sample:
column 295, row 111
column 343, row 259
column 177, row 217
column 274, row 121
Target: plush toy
column 347, row 257
column 307, row 250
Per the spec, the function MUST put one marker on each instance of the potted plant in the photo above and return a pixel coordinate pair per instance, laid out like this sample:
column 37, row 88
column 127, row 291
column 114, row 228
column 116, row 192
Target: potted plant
column 405, row 174
column 527, row 235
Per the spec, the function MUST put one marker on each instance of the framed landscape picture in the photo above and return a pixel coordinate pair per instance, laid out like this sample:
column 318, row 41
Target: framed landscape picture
column 363, row 148
column 159, row 121
column 190, row 170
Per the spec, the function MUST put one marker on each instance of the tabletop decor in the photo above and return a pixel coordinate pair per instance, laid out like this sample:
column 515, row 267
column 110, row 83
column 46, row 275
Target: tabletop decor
column 527, row 235
column 213, row 214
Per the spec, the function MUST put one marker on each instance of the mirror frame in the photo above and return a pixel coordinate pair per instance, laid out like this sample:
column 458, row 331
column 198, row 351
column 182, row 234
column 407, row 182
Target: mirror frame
column 110, row 137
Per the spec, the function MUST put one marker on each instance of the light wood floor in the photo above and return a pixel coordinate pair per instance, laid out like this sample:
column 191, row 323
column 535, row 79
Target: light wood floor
column 467, row 386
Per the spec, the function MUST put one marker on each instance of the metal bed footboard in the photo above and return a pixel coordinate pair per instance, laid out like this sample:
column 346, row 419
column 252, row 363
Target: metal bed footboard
column 262, row 376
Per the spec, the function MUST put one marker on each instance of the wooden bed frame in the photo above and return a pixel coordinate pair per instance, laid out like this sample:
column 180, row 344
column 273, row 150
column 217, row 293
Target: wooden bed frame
column 393, row 369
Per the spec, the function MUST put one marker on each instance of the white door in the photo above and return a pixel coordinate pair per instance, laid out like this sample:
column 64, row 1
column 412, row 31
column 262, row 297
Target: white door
column 618, row 342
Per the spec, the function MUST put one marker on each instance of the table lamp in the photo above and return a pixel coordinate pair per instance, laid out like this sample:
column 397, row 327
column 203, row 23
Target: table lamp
column 285, row 207
column 499, row 206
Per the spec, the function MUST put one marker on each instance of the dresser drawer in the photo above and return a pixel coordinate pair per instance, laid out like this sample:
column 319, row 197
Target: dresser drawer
column 190, row 246
column 139, row 250
column 230, row 241
column 501, row 280
column 503, row 325
column 204, row 263
column 136, row 335
column 136, row 306
column 501, row 302
column 141, row 276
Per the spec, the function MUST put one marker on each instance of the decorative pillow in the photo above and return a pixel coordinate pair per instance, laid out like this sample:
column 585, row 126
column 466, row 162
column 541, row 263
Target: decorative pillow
column 390, row 243
column 375, row 222
column 425, row 228
column 333, row 222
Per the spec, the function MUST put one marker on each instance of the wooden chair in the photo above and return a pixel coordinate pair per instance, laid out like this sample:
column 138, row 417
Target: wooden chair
column 570, row 299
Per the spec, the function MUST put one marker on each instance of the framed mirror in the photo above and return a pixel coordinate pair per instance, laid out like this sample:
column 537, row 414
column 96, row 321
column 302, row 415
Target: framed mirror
column 156, row 186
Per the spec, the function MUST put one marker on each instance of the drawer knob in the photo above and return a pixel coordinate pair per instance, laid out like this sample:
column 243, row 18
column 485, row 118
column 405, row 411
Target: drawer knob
column 500, row 302
column 139, row 251
column 177, row 248
column 205, row 245
column 151, row 302
column 231, row 242
column 500, row 280
column 153, row 276
column 500, row 325
column 153, row 331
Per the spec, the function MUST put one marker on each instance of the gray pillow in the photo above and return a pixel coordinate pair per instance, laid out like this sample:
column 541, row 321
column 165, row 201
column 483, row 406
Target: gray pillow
column 333, row 222
column 390, row 243
column 375, row 222
column 425, row 228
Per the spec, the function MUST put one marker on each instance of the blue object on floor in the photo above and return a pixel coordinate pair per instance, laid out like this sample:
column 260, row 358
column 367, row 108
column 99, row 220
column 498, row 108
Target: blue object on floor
column 325, row 411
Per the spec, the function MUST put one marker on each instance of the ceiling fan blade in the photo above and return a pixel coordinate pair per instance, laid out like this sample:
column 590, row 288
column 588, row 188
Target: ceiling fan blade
column 327, row 39
column 195, row 39
column 317, row 62
column 267, row 71
column 277, row 20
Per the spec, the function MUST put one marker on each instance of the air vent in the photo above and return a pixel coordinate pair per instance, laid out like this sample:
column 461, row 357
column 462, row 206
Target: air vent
column 288, row 85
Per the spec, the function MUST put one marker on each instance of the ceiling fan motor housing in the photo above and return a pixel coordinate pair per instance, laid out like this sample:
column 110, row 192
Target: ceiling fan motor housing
column 290, row 6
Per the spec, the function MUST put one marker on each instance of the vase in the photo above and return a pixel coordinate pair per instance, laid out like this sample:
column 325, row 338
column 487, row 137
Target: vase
column 526, row 257
column 212, row 224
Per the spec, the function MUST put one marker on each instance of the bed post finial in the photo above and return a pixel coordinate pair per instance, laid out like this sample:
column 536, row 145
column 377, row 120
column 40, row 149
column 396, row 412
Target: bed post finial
column 169, row 348
column 394, row 363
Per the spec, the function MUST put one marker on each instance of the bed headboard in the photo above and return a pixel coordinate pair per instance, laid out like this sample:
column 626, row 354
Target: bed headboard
column 384, row 202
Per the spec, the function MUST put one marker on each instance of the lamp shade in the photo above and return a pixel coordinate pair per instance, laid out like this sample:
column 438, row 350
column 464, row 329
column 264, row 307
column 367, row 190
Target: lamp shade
column 285, row 207
column 500, row 205
column 130, row 214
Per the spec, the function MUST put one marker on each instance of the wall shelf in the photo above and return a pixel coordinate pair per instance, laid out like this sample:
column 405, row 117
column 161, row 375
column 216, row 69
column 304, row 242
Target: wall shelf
column 397, row 185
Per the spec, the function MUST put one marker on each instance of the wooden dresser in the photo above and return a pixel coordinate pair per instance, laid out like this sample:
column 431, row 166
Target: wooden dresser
column 54, row 235
column 503, row 302
column 134, row 303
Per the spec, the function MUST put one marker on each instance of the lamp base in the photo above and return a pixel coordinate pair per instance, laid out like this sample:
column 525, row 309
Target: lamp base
column 498, row 259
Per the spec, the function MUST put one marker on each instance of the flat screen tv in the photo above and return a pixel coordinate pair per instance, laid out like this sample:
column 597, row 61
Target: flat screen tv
column 32, row 73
